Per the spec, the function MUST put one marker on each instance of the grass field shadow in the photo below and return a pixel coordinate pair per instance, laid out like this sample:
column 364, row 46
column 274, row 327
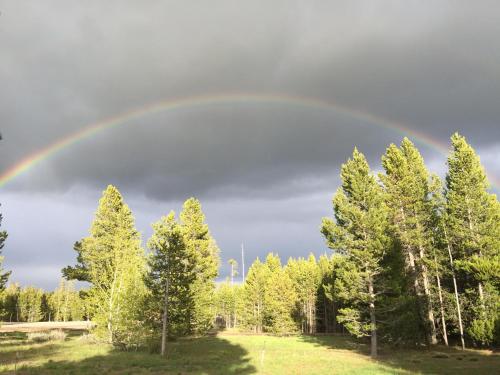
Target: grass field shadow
column 211, row 355
column 18, row 351
column 12, row 339
column 437, row 360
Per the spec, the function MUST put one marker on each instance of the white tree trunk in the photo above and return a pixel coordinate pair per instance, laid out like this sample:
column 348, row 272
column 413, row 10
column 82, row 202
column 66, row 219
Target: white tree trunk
column 165, row 321
column 457, row 301
column 373, row 320
column 443, row 320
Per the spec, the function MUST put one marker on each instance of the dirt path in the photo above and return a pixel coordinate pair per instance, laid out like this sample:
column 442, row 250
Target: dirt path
column 43, row 326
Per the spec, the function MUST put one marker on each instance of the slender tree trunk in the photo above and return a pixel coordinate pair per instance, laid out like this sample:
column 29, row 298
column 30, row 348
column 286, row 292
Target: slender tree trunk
column 334, row 317
column 457, row 301
column 111, row 307
column 428, row 302
column 165, row 321
column 305, row 310
column 310, row 317
column 313, row 315
column 325, row 317
column 259, row 324
column 373, row 319
column 426, row 310
column 441, row 307
column 481, row 295
column 413, row 267
column 422, row 298
column 480, row 284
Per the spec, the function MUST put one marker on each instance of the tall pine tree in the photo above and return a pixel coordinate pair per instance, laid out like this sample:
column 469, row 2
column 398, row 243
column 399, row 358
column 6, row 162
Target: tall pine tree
column 254, row 291
column 406, row 182
column 306, row 277
column 473, row 228
column 360, row 230
column 30, row 304
column 280, row 298
column 205, row 256
column 114, row 263
column 169, row 279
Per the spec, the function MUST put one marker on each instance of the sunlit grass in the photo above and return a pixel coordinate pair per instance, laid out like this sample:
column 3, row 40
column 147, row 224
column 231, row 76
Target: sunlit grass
column 236, row 354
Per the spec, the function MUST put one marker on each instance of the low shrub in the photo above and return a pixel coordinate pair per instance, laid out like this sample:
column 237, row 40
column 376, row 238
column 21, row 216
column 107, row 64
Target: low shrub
column 43, row 336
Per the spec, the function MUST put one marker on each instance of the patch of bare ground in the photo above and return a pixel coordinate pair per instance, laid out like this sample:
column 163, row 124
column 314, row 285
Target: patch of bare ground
column 44, row 326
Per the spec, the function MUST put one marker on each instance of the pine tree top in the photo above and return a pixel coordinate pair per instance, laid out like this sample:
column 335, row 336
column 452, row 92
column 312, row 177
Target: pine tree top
column 464, row 167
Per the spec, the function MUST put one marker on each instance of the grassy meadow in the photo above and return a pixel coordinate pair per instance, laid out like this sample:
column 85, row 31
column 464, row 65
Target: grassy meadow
column 234, row 354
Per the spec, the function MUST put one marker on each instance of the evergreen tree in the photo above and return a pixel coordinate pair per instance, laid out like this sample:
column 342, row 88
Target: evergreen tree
column 306, row 277
column 10, row 298
column 441, row 264
column 360, row 229
column 80, row 270
column 114, row 264
column 205, row 256
column 406, row 182
column 30, row 304
column 227, row 299
column 170, row 276
column 280, row 298
column 473, row 217
column 325, row 306
column 253, row 295
column 337, row 286
column 47, row 312
column 64, row 302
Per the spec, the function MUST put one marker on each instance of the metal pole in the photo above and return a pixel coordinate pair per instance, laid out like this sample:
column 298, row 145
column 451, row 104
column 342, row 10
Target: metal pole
column 243, row 261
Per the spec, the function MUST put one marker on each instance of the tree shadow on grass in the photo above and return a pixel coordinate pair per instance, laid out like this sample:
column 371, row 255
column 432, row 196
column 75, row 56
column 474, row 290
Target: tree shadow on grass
column 206, row 355
column 437, row 360
column 16, row 349
column 12, row 339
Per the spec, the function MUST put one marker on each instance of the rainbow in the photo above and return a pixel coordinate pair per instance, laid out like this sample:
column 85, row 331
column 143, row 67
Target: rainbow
column 191, row 102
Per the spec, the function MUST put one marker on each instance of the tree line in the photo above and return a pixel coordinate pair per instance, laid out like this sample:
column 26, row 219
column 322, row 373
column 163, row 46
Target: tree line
column 415, row 260
column 31, row 304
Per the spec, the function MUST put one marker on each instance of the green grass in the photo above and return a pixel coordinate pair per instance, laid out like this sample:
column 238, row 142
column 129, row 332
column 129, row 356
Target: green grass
column 236, row 354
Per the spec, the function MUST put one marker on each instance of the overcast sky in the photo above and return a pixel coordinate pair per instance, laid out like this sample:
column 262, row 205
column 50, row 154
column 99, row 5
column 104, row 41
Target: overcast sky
column 264, row 172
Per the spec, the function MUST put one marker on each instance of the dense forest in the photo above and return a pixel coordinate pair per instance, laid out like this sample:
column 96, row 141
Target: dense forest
column 414, row 261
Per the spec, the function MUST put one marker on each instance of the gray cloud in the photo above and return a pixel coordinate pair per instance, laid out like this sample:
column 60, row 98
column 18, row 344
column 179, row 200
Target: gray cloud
column 65, row 64
column 40, row 243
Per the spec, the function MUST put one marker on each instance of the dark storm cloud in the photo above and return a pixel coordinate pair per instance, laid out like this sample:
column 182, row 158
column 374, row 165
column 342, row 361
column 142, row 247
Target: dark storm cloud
column 265, row 172
column 66, row 64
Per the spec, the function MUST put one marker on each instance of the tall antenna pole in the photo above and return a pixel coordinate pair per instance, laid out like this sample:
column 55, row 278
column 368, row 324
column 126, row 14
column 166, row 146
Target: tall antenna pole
column 232, row 273
column 243, row 261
